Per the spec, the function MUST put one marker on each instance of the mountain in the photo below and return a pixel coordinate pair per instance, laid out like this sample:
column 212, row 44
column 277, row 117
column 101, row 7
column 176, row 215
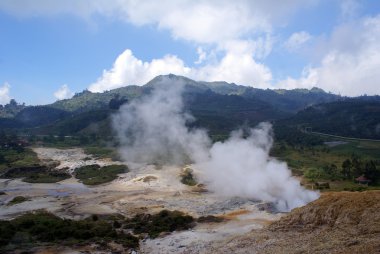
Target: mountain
column 217, row 106
column 356, row 117
column 11, row 109
column 290, row 101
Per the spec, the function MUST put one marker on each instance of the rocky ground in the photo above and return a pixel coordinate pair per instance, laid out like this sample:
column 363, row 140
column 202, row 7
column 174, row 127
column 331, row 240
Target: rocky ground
column 344, row 222
column 145, row 189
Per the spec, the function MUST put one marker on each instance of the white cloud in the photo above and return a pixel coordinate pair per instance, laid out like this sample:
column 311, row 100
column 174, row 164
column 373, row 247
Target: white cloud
column 63, row 93
column 237, row 33
column 296, row 40
column 4, row 93
column 349, row 8
column 351, row 63
column 128, row 70
column 236, row 66
column 198, row 21
column 201, row 55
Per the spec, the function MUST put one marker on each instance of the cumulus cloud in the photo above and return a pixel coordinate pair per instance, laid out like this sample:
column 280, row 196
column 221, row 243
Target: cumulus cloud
column 245, row 39
column 237, row 66
column 198, row 21
column 201, row 55
column 350, row 63
column 63, row 93
column 296, row 40
column 129, row 70
column 349, row 8
column 4, row 93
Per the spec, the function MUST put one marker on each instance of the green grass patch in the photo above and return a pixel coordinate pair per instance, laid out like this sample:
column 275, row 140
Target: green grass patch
column 304, row 158
column 164, row 221
column 94, row 174
column 17, row 200
column 47, row 177
column 325, row 164
column 20, row 157
column 39, row 228
column 36, row 174
column 101, row 152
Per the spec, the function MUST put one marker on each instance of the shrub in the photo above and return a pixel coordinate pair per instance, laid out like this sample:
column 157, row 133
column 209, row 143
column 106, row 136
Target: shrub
column 164, row 221
column 17, row 200
column 42, row 227
column 94, row 174
column 187, row 177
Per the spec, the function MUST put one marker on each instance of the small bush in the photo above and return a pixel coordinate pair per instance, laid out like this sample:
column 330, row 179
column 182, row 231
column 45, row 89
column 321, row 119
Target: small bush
column 188, row 178
column 17, row 200
column 42, row 227
column 209, row 219
column 94, row 174
column 164, row 221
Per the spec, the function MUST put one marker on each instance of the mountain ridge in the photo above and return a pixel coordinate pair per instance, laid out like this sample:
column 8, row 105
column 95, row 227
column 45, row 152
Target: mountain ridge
column 217, row 106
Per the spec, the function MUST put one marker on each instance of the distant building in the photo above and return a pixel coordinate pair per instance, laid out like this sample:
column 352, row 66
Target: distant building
column 362, row 180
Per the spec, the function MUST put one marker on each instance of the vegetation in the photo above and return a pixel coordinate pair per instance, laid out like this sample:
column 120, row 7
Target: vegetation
column 11, row 109
column 36, row 174
column 13, row 155
column 164, row 221
column 217, row 106
column 17, row 200
column 94, row 174
column 338, row 166
column 357, row 117
column 47, row 177
column 101, row 152
column 209, row 219
column 38, row 228
column 187, row 177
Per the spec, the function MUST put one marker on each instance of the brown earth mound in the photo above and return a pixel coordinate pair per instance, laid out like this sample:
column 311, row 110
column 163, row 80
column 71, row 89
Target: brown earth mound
column 345, row 222
column 355, row 211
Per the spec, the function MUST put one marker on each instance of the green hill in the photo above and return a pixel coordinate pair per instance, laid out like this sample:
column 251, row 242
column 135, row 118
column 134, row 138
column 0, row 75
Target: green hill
column 217, row 106
column 359, row 117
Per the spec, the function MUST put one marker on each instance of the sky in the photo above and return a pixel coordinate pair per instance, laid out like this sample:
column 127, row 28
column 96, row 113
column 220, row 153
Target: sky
column 51, row 49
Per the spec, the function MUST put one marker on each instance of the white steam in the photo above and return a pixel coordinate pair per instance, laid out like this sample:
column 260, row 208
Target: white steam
column 153, row 129
column 242, row 167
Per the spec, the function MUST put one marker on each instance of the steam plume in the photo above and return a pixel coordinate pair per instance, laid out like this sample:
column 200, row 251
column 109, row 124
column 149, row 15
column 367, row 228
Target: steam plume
column 153, row 129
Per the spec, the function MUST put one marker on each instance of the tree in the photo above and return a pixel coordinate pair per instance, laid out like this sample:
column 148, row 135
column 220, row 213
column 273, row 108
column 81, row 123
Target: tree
column 2, row 159
column 313, row 174
column 371, row 172
column 347, row 169
column 357, row 166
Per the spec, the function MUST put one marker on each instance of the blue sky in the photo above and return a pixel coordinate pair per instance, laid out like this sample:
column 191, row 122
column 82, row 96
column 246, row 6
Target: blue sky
column 50, row 50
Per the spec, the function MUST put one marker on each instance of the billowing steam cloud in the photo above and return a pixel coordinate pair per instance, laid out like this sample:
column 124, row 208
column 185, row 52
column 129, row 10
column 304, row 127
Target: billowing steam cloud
column 153, row 130
column 242, row 167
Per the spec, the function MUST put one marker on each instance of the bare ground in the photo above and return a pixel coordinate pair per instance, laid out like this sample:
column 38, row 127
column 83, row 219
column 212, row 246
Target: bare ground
column 344, row 222
column 145, row 189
